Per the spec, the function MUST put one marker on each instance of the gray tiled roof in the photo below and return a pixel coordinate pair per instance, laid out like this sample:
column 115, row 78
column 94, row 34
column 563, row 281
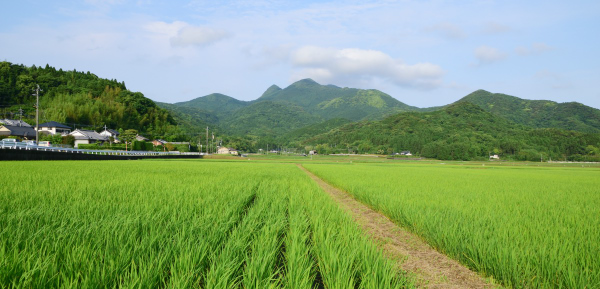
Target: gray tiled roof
column 23, row 131
column 53, row 124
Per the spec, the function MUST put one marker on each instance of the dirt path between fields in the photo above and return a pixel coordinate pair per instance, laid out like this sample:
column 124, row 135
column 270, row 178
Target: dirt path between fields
column 431, row 268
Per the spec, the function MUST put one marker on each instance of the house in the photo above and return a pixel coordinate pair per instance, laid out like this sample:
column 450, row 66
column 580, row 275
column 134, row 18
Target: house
column 107, row 132
column 87, row 137
column 227, row 151
column 23, row 132
column 140, row 138
column 494, row 157
column 53, row 128
column 14, row 122
column 223, row 151
column 312, row 152
column 159, row 142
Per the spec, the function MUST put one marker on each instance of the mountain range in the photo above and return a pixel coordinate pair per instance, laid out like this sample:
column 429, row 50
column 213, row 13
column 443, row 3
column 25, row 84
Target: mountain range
column 280, row 112
column 307, row 115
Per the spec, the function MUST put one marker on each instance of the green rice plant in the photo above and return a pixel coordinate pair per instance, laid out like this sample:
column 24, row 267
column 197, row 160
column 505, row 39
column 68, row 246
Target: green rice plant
column 300, row 266
column 178, row 224
column 527, row 227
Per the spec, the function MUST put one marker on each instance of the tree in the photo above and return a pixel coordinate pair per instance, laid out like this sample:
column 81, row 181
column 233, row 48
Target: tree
column 128, row 136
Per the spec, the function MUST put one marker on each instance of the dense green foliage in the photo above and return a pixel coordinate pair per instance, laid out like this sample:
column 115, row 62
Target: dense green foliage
column 179, row 224
column 527, row 227
column 312, row 130
column 218, row 104
column 329, row 101
column 280, row 111
column 461, row 131
column 80, row 100
column 267, row 118
column 538, row 113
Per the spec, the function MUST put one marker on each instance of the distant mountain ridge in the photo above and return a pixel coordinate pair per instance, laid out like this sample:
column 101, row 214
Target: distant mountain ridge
column 305, row 101
column 538, row 113
column 308, row 103
column 459, row 131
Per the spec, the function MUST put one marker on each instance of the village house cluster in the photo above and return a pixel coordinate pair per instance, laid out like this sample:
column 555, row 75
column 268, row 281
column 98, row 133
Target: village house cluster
column 23, row 130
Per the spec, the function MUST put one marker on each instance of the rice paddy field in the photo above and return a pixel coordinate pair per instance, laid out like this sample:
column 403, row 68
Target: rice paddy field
column 178, row 224
column 266, row 224
column 527, row 226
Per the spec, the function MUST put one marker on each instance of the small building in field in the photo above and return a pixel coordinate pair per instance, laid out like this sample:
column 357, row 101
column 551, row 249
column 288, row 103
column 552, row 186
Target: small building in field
column 233, row 152
column 22, row 132
column 223, row 151
column 87, row 137
column 494, row 157
column 53, row 127
column 405, row 153
column 312, row 152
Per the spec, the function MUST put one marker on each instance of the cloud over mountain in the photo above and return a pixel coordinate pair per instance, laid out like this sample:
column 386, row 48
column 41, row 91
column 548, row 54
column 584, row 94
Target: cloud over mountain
column 352, row 64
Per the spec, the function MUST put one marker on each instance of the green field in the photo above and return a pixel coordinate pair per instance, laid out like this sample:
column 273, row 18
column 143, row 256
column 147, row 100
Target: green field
column 178, row 224
column 527, row 226
column 263, row 223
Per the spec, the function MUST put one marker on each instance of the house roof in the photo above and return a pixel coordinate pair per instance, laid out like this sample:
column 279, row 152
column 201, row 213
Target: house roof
column 140, row 138
column 88, row 134
column 24, row 131
column 111, row 131
column 14, row 122
column 53, row 124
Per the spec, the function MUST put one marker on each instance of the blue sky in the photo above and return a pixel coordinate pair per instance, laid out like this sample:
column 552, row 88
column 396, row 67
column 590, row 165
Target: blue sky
column 423, row 53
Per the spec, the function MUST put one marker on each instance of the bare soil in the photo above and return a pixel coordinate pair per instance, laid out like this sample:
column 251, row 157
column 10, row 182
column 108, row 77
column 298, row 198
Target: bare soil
column 430, row 268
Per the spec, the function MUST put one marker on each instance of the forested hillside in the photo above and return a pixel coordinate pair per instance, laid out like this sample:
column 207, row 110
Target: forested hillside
column 462, row 131
column 303, row 103
column 80, row 99
column 538, row 113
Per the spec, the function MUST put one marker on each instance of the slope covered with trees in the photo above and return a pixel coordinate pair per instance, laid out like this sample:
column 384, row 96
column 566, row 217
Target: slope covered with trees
column 80, row 99
column 538, row 113
column 305, row 101
column 462, row 131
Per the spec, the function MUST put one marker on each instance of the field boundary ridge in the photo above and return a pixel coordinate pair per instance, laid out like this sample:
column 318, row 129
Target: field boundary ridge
column 411, row 253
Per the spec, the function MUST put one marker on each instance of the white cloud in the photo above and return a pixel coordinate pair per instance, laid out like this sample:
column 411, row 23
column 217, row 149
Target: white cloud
column 486, row 54
column 495, row 28
column 198, row 36
column 535, row 49
column 351, row 65
column 448, row 30
column 182, row 34
column 168, row 29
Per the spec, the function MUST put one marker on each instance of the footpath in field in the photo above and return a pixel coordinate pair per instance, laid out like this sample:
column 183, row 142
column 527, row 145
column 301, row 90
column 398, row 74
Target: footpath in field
column 432, row 269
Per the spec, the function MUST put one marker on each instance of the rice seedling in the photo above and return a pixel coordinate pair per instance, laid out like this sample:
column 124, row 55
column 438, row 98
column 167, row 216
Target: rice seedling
column 527, row 227
column 177, row 224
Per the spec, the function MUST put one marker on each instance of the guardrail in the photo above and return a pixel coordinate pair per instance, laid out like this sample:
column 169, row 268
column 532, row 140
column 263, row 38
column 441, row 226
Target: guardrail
column 28, row 146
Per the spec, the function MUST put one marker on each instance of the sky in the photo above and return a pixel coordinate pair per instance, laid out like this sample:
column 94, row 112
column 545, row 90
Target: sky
column 423, row 53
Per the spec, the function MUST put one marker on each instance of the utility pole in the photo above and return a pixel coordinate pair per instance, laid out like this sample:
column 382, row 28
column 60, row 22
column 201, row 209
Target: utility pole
column 37, row 112
column 20, row 116
column 207, row 140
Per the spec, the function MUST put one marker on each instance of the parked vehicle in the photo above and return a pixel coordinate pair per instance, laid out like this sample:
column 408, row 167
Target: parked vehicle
column 45, row 144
